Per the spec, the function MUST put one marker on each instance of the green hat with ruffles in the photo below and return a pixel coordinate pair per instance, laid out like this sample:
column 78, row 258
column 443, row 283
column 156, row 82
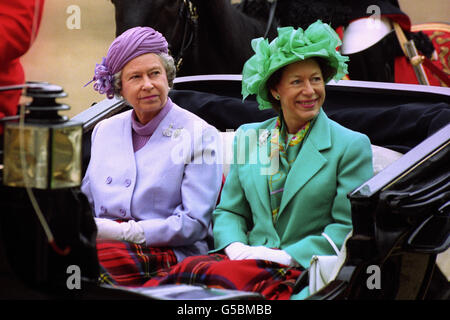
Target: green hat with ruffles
column 291, row 45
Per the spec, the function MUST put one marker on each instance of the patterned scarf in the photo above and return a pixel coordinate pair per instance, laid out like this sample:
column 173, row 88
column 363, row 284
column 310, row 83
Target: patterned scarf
column 286, row 147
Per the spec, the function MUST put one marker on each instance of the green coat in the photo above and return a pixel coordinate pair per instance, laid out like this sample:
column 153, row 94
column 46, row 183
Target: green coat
column 332, row 162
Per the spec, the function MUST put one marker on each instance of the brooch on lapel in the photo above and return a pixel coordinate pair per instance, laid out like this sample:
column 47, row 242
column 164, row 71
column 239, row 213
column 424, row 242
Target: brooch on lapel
column 263, row 137
column 177, row 132
column 168, row 131
column 172, row 132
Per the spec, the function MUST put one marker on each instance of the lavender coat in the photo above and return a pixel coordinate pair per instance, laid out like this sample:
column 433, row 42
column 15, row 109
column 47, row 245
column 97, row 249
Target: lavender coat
column 171, row 185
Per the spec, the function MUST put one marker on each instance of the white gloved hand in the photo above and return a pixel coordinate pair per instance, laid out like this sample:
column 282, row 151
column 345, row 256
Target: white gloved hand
column 276, row 255
column 240, row 251
column 129, row 231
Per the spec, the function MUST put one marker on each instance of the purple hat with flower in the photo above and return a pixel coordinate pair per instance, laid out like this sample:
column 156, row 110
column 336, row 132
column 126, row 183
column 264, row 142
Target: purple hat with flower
column 129, row 45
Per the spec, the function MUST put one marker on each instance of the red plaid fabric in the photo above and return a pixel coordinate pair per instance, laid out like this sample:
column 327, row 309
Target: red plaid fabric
column 128, row 264
column 272, row 280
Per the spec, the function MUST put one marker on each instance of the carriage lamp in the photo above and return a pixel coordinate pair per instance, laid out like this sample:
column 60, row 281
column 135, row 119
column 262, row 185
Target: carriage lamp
column 44, row 150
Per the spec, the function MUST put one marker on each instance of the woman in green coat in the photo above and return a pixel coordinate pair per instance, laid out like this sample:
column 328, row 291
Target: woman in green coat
column 285, row 197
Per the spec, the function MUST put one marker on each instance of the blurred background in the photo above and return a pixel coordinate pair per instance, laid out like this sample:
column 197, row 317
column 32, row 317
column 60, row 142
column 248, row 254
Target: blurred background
column 67, row 57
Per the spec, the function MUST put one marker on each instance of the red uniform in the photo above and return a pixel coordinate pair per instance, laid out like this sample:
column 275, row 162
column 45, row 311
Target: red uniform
column 19, row 22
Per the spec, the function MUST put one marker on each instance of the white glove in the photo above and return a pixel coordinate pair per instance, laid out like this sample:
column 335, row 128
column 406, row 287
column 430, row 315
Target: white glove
column 240, row 251
column 129, row 231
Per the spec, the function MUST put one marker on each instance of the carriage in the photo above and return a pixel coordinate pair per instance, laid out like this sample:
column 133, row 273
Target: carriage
column 400, row 216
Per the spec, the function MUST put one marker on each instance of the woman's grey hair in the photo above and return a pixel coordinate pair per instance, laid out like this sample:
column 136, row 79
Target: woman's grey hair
column 168, row 63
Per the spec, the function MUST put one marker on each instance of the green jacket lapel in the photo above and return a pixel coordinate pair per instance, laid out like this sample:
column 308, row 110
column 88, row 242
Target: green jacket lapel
column 309, row 160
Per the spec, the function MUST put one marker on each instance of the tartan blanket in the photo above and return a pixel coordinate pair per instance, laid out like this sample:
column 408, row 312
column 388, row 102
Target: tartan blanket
column 128, row 264
column 272, row 280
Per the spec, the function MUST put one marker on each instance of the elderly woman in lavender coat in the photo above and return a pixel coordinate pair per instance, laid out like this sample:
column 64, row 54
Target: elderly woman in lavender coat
column 153, row 178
